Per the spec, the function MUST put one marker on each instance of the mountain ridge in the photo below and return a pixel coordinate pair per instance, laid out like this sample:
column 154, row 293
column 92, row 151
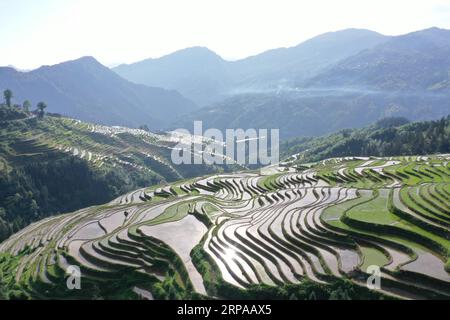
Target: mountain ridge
column 388, row 79
column 417, row 60
column 207, row 80
column 85, row 89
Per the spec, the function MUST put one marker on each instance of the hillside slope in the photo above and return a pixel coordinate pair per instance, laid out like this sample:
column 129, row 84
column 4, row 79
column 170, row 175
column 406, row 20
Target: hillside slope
column 312, row 232
column 418, row 61
column 283, row 68
column 387, row 137
column 86, row 90
column 54, row 165
column 315, row 112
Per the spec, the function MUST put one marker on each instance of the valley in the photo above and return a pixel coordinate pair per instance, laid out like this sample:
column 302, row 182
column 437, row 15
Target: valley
column 250, row 234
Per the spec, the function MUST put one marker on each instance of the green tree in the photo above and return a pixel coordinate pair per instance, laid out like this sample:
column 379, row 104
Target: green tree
column 8, row 95
column 26, row 105
column 339, row 294
column 41, row 107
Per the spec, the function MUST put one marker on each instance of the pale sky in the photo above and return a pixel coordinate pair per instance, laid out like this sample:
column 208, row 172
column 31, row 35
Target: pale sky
column 43, row 32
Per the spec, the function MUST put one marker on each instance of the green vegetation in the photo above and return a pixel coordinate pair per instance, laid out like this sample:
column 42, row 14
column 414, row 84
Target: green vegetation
column 306, row 234
column 373, row 256
column 51, row 165
column 10, row 113
column 374, row 211
column 41, row 106
column 39, row 189
column 387, row 137
column 305, row 231
column 173, row 213
column 8, row 95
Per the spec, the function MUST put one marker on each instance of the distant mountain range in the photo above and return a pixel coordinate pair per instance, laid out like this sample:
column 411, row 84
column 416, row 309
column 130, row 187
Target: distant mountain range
column 405, row 75
column 197, row 73
column 416, row 61
column 342, row 79
column 203, row 76
column 87, row 90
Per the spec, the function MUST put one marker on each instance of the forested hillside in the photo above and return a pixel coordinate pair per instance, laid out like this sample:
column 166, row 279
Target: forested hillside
column 387, row 137
column 51, row 164
column 59, row 184
column 38, row 180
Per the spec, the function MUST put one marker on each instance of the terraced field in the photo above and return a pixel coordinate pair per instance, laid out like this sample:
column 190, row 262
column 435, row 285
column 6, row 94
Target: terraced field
column 103, row 147
column 280, row 226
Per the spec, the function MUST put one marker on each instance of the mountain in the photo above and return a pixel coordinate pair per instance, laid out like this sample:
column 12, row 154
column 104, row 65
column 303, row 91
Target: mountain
column 342, row 79
column 315, row 112
column 415, row 61
column 87, row 90
column 283, row 67
column 402, row 76
column 203, row 76
column 197, row 73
